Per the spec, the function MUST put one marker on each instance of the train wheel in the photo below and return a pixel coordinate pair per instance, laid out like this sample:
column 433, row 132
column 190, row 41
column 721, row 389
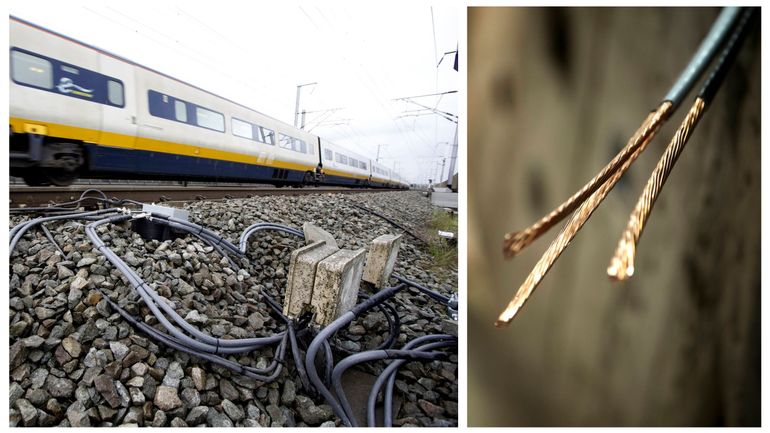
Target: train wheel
column 309, row 179
column 35, row 179
column 61, row 177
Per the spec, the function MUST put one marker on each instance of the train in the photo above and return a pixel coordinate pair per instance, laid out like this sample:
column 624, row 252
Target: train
column 77, row 111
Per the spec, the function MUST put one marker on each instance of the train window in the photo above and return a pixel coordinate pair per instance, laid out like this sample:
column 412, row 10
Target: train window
column 209, row 119
column 242, row 129
column 328, row 155
column 180, row 111
column 353, row 162
column 115, row 93
column 363, row 165
column 45, row 73
column 344, row 159
column 31, row 70
column 265, row 135
column 286, row 142
column 300, row 146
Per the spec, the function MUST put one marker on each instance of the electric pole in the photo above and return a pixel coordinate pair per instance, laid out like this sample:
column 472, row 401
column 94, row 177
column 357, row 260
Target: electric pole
column 453, row 161
column 296, row 104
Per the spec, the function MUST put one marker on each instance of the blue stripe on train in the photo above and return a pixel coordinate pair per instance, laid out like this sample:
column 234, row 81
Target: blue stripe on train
column 104, row 160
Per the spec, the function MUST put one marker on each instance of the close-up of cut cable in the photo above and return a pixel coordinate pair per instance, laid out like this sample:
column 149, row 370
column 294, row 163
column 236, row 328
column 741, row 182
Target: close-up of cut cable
column 622, row 263
column 515, row 242
column 731, row 23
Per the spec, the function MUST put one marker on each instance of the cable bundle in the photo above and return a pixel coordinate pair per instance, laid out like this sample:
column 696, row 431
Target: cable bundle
column 181, row 335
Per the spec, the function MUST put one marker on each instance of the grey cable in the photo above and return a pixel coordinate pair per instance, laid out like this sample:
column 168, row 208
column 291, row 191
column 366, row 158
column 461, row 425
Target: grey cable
column 703, row 56
column 371, row 421
column 373, row 355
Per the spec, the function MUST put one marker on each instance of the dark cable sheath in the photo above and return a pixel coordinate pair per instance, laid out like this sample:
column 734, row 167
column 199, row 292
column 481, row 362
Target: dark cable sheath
column 178, row 345
column 329, row 360
column 328, row 331
column 371, row 403
column 726, row 58
column 51, row 239
column 297, row 358
column 703, row 56
column 374, row 355
column 433, row 294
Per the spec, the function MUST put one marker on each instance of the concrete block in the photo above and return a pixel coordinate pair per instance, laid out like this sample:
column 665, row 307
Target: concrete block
column 302, row 270
column 381, row 259
column 314, row 234
column 337, row 280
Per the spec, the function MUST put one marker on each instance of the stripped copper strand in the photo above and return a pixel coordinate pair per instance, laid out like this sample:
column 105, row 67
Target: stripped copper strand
column 622, row 263
column 639, row 142
column 515, row 242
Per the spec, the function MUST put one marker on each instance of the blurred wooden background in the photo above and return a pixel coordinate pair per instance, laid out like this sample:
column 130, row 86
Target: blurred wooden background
column 553, row 94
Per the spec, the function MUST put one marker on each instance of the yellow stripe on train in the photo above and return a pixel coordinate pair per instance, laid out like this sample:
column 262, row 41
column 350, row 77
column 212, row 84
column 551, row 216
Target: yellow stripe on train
column 111, row 139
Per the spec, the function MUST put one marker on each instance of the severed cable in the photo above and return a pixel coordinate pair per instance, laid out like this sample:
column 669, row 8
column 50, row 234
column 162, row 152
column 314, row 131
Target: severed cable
column 642, row 136
column 622, row 263
column 514, row 242
column 592, row 194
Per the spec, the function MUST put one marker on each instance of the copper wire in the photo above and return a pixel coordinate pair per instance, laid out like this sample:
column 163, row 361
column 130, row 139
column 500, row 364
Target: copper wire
column 622, row 263
column 639, row 142
column 514, row 242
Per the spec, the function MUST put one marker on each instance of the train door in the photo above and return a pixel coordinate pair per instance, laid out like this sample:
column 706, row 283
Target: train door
column 118, row 123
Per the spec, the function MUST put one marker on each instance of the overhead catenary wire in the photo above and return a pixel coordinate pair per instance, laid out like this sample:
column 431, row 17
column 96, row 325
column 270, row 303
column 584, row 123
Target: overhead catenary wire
column 592, row 194
column 622, row 263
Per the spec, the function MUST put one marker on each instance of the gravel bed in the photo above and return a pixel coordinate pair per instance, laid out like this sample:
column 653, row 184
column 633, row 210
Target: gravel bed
column 75, row 362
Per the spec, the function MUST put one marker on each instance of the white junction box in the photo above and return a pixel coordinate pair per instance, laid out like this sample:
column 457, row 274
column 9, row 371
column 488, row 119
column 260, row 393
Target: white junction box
column 167, row 211
column 381, row 259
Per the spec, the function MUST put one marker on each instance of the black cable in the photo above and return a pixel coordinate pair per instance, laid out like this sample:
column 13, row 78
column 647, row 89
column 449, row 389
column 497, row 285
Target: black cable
column 432, row 293
column 328, row 331
column 51, row 239
column 368, row 356
column 727, row 57
column 394, row 223
column 297, row 359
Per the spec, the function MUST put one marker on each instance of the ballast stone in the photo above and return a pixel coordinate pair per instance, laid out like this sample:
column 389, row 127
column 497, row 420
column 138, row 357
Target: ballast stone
column 337, row 280
column 302, row 270
column 314, row 234
column 381, row 259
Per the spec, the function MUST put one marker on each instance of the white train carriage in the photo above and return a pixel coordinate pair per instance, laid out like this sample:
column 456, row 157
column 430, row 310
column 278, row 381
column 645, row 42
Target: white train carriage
column 76, row 110
column 343, row 166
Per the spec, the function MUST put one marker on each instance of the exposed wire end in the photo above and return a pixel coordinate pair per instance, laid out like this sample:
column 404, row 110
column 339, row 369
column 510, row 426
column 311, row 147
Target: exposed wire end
column 515, row 242
column 622, row 263
column 639, row 142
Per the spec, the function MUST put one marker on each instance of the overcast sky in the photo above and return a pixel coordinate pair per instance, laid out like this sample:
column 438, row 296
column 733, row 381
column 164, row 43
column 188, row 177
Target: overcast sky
column 362, row 55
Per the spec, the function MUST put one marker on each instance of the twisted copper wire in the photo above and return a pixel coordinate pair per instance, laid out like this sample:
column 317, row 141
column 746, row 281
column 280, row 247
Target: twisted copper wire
column 514, row 242
column 622, row 263
column 640, row 139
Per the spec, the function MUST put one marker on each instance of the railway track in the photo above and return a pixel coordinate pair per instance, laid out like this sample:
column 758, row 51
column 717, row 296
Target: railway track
column 21, row 196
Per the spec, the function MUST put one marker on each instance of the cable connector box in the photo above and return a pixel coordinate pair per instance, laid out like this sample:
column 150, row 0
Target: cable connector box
column 167, row 211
